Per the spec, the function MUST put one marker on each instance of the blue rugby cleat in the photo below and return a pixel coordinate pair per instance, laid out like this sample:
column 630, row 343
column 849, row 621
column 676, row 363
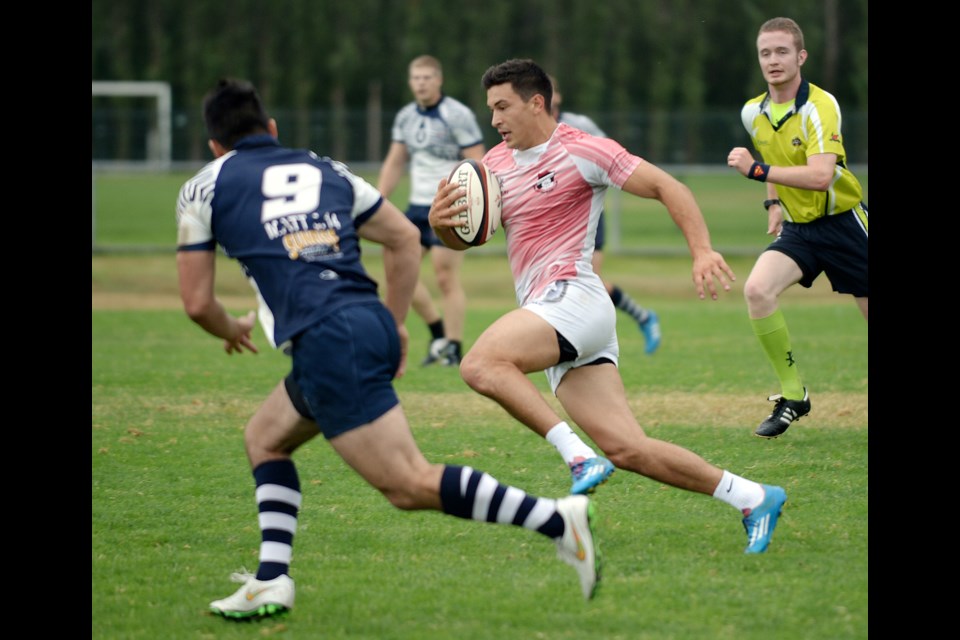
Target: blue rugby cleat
column 589, row 474
column 762, row 520
column 651, row 332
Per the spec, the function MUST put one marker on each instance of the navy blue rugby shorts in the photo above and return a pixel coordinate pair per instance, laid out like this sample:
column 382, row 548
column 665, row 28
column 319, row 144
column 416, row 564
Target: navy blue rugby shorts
column 344, row 368
column 835, row 245
column 420, row 215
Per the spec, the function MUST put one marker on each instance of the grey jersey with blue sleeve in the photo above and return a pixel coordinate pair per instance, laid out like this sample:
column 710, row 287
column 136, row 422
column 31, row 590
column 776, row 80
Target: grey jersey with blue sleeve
column 435, row 137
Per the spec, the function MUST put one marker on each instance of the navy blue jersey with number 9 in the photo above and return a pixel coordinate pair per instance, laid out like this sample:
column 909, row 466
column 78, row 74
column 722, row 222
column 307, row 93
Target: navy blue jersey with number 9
column 290, row 219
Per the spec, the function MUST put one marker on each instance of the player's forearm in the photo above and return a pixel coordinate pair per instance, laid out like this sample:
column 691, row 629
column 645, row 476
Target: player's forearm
column 686, row 214
column 390, row 174
column 800, row 177
column 695, row 231
column 815, row 175
column 214, row 319
column 387, row 181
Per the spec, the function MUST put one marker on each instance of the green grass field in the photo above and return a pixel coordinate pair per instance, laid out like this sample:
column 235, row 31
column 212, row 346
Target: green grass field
column 137, row 210
column 173, row 512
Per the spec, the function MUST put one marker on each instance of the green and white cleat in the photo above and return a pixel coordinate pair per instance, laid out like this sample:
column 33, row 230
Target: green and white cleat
column 256, row 598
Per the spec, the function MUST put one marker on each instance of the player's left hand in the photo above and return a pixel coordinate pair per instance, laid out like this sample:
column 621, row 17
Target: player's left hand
column 708, row 267
column 242, row 339
column 444, row 207
column 774, row 220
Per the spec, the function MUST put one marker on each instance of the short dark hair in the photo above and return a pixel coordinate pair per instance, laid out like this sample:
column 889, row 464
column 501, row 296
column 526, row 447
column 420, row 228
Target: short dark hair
column 526, row 76
column 233, row 110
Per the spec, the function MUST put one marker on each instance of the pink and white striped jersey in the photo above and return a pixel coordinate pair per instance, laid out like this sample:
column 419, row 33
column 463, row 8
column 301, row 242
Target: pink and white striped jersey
column 553, row 195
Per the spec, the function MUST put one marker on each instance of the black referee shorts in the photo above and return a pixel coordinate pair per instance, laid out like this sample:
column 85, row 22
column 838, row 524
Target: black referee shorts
column 835, row 245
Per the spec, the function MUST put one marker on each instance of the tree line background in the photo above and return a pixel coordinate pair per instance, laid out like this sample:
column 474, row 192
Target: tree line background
column 665, row 77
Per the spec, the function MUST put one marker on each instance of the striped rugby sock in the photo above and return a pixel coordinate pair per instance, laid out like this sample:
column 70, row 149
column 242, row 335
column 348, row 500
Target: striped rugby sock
column 278, row 502
column 475, row 495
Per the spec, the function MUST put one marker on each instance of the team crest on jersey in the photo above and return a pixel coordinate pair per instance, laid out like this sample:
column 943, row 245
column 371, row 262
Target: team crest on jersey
column 835, row 138
column 796, row 142
column 546, row 181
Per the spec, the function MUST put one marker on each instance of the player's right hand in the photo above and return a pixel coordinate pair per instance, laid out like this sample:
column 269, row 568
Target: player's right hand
column 243, row 339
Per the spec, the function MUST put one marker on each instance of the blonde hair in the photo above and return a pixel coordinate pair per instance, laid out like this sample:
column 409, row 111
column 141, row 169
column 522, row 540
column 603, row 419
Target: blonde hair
column 784, row 24
column 427, row 61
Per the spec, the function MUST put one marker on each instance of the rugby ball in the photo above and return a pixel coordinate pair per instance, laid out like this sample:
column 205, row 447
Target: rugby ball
column 483, row 199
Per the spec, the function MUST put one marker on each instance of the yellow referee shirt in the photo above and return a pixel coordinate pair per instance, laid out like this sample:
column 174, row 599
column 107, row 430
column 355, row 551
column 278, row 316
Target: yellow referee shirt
column 812, row 126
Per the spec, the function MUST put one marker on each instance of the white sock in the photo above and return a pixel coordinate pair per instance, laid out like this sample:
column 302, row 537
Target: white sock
column 739, row 492
column 569, row 444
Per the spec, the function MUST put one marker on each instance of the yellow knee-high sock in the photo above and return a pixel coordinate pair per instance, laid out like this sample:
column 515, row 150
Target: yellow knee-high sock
column 775, row 339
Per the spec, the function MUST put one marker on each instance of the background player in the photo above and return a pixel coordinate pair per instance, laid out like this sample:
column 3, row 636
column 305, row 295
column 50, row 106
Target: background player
column 433, row 133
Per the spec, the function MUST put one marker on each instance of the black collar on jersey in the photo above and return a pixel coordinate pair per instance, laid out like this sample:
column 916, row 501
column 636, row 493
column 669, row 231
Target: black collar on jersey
column 803, row 94
column 256, row 140
column 432, row 107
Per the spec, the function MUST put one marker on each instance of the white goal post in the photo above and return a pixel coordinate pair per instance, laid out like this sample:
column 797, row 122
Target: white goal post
column 161, row 151
column 160, row 137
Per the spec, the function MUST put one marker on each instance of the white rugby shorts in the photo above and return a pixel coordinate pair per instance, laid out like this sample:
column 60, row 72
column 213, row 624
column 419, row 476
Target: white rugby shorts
column 581, row 310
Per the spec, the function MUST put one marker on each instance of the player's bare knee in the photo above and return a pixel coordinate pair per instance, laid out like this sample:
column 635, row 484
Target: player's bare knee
column 469, row 365
column 476, row 372
column 755, row 294
column 445, row 282
column 256, row 446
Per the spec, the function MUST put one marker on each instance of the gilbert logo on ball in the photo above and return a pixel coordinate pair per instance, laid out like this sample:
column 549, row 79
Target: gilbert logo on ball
column 483, row 199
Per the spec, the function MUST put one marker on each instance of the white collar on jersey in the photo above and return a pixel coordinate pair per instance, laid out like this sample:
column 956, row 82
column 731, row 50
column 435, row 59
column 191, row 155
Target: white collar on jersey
column 531, row 155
